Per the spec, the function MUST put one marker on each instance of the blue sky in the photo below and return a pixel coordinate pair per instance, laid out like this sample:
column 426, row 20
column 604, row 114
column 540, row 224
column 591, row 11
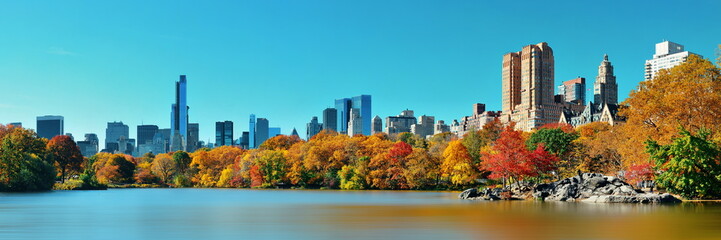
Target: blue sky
column 100, row 61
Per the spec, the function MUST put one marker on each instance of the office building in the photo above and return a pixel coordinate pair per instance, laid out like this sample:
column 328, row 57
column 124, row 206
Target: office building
column 244, row 140
column 441, row 127
column 668, row 54
column 164, row 136
column 377, row 125
column 355, row 125
column 330, row 119
column 424, row 127
column 251, row 131
column 573, row 91
column 146, row 133
column 50, row 126
column 224, row 133
column 400, row 123
column 343, row 108
column 89, row 146
column 527, row 87
column 313, row 128
column 179, row 116
column 274, row 131
column 113, row 133
column 605, row 89
column 193, row 137
column 262, row 131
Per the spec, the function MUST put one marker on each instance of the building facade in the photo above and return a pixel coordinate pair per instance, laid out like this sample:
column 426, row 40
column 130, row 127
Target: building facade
column 179, row 116
column 377, row 125
column 114, row 132
column 262, row 131
column 224, row 133
column 605, row 89
column 50, row 126
column 330, row 119
column 573, row 91
column 343, row 109
column 668, row 54
column 251, row 132
column 313, row 128
column 145, row 133
column 527, row 87
column 193, row 137
column 424, row 127
column 400, row 123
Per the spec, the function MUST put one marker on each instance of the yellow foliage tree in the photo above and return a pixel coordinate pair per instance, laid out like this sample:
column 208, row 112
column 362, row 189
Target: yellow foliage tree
column 457, row 164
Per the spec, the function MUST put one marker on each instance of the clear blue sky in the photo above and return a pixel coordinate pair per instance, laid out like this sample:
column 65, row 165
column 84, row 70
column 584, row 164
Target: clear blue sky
column 100, row 61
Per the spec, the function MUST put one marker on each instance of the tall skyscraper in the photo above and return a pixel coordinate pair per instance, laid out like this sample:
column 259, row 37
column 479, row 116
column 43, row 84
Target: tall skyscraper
column 330, row 119
column 261, row 131
column 113, row 134
column 193, row 137
column 574, row 90
column 244, row 140
column 251, row 131
column 377, row 125
column 343, row 107
column 179, row 117
column 355, row 124
column 146, row 133
column 224, row 133
column 313, row 128
column 528, row 80
column 50, row 126
column 605, row 89
column 668, row 54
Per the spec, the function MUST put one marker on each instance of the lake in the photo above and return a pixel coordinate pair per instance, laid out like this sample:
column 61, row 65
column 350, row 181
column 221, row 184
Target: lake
column 318, row 214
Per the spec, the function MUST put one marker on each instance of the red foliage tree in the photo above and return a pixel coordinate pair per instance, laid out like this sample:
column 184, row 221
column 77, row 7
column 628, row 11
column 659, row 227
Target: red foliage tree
column 66, row 155
column 511, row 159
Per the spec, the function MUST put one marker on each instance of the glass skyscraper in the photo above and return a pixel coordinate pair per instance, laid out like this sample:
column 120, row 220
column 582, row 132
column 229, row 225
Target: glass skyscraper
column 344, row 105
column 50, row 126
column 251, row 131
column 179, row 116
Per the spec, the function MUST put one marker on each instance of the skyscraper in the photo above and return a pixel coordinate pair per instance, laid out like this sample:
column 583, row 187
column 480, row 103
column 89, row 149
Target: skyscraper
column 528, row 80
column 605, row 89
column 330, row 119
column 343, row 107
column 574, row 90
column 313, row 127
column 89, row 146
column 261, row 131
column 401, row 123
column 251, row 131
column 146, row 133
column 377, row 125
column 50, row 126
column 668, row 54
column 355, row 124
column 179, row 117
column 113, row 134
column 224, row 133
column 193, row 137
column 244, row 140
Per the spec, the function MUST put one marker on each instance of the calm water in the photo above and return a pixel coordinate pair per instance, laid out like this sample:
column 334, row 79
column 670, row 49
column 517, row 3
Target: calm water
column 304, row 214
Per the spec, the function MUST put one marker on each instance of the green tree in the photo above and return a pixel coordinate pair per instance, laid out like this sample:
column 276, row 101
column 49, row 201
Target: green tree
column 21, row 165
column 690, row 166
column 182, row 161
column 554, row 140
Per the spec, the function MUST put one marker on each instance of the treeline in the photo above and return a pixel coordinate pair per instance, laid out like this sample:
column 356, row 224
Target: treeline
column 671, row 135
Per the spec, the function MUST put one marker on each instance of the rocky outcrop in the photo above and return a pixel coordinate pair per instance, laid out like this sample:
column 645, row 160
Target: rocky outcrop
column 639, row 198
column 488, row 194
column 596, row 188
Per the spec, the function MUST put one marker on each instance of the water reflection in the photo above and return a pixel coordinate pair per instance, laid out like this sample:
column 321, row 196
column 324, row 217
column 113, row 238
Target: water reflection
column 287, row 214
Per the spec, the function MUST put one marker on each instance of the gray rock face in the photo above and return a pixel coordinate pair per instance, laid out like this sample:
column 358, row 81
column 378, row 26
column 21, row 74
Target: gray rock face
column 488, row 194
column 638, row 198
column 596, row 188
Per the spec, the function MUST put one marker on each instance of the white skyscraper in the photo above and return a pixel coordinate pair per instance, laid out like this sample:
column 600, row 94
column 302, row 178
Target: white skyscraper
column 668, row 54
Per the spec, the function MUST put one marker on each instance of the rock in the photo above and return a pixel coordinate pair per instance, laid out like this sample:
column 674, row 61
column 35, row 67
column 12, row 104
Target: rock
column 469, row 193
column 597, row 189
column 597, row 182
column 640, row 198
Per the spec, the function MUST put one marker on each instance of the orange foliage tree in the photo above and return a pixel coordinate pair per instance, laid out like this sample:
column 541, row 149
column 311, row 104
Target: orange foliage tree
column 510, row 159
column 66, row 155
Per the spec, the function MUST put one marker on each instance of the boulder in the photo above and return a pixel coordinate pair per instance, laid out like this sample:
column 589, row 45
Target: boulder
column 469, row 193
column 596, row 188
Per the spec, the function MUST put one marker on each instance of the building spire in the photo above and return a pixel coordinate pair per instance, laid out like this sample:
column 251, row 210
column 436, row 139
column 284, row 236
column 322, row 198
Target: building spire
column 605, row 57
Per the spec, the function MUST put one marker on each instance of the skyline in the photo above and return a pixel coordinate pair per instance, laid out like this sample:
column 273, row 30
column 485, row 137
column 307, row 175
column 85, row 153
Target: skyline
column 436, row 62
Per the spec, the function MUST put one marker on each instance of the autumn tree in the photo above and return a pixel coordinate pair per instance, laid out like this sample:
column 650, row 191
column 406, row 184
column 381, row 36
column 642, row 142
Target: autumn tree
column 21, row 166
column 559, row 141
column 114, row 168
column 597, row 148
column 280, row 142
column 210, row 164
column 457, row 164
column 690, row 166
column 687, row 95
column 66, row 155
column 273, row 167
column 164, row 166
column 510, row 159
